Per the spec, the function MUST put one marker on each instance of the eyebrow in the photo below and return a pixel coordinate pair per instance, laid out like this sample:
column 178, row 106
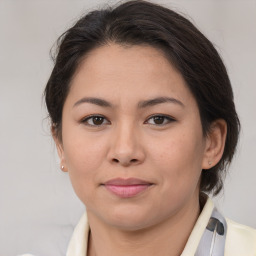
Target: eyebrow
column 159, row 100
column 96, row 101
column 141, row 104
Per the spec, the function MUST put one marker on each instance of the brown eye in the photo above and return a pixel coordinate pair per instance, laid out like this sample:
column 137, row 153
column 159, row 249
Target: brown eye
column 160, row 120
column 95, row 121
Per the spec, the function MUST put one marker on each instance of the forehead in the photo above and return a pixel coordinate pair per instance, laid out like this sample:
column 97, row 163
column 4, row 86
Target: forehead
column 128, row 71
column 126, row 59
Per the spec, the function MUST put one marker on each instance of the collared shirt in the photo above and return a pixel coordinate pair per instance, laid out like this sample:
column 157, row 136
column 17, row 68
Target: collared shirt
column 240, row 239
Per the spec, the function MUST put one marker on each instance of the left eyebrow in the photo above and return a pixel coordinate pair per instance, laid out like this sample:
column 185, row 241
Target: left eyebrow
column 158, row 100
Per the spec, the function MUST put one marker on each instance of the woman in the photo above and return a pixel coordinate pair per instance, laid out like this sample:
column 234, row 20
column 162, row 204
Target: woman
column 143, row 118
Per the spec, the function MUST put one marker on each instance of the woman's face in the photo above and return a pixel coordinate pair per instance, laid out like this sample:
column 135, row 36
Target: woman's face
column 132, row 139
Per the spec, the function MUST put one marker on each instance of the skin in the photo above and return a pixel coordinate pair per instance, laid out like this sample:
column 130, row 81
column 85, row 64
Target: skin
column 128, row 142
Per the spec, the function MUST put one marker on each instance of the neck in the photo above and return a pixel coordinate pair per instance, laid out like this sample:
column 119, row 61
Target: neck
column 166, row 239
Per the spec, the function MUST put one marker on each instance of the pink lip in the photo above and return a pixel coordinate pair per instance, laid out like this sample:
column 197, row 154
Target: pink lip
column 127, row 188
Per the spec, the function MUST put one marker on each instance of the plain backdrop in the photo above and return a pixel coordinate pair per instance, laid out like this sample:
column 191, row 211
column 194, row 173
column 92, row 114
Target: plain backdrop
column 38, row 208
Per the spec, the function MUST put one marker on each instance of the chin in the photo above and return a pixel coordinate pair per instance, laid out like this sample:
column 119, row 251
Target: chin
column 129, row 218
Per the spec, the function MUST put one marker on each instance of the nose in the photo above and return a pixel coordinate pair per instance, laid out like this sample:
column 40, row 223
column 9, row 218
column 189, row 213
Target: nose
column 126, row 146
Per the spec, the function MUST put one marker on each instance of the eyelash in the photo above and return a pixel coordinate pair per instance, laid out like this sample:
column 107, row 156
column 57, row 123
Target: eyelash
column 166, row 117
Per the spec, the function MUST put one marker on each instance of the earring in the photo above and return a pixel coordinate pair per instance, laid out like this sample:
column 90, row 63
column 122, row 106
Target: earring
column 62, row 167
column 210, row 162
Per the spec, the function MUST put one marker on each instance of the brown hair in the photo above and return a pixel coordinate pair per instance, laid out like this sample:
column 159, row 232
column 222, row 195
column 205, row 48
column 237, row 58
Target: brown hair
column 143, row 23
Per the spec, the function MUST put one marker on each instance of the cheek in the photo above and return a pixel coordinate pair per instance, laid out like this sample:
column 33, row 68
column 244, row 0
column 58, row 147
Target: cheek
column 179, row 158
column 82, row 149
column 83, row 157
column 179, row 168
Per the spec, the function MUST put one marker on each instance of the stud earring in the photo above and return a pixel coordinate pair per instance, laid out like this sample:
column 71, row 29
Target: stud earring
column 210, row 162
column 62, row 167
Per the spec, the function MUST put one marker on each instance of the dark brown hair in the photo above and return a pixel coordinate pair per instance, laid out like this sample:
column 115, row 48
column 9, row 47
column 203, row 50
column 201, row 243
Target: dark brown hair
column 143, row 23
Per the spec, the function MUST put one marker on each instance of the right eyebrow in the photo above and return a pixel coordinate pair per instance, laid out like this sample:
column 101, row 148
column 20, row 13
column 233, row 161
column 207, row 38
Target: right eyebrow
column 96, row 101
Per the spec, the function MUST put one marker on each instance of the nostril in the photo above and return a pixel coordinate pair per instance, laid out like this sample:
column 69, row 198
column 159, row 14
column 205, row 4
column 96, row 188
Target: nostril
column 131, row 161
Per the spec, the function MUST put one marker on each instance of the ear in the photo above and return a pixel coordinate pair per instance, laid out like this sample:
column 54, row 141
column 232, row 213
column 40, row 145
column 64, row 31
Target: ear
column 60, row 150
column 215, row 143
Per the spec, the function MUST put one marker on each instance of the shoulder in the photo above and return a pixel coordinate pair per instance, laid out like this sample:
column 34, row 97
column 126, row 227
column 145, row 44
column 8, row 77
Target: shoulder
column 241, row 239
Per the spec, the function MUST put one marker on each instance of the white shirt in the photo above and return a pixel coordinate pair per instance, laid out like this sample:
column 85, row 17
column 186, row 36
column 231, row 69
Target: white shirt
column 240, row 240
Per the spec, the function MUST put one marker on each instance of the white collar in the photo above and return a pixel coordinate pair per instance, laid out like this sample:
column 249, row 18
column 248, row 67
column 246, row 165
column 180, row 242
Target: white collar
column 79, row 240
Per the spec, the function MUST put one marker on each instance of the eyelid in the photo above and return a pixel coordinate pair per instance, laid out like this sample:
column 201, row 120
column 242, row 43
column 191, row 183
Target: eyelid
column 169, row 118
column 85, row 119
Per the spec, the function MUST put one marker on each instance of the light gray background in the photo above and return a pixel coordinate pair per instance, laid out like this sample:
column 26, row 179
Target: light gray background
column 38, row 208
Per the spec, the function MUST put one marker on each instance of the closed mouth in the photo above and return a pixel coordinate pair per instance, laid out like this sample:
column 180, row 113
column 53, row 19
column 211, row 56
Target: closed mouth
column 127, row 188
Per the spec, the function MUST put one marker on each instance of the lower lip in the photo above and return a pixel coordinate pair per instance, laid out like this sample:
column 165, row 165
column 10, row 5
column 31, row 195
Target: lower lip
column 128, row 190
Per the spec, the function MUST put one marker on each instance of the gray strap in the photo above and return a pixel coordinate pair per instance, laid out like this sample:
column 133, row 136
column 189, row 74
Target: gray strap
column 213, row 240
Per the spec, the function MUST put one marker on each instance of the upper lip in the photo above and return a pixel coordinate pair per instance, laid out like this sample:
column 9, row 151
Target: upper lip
column 127, row 182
